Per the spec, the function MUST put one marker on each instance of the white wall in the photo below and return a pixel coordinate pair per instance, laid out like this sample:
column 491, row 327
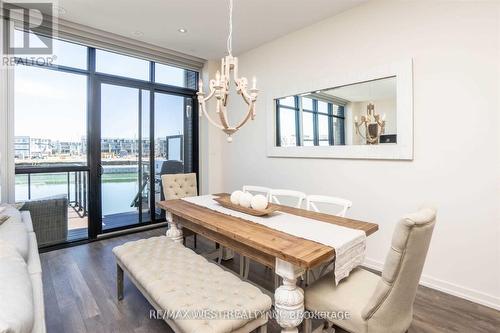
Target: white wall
column 455, row 47
column 210, row 144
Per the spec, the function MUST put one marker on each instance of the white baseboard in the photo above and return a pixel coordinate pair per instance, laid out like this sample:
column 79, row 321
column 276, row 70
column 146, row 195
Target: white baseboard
column 447, row 287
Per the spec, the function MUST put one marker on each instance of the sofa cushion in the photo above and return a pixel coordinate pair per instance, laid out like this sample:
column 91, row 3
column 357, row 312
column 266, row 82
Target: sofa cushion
column 38, row 303
column 34, row 264
column 26, row 218
column 3, row 218
column 9, row 210
column 15, row 233
column 16, row 294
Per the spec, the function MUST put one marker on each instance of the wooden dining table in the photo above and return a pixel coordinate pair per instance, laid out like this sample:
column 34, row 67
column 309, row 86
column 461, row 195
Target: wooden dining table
column 290, row 256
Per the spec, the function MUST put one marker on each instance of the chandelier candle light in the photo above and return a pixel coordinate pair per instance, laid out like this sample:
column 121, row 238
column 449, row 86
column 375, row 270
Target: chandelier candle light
column 219, row 87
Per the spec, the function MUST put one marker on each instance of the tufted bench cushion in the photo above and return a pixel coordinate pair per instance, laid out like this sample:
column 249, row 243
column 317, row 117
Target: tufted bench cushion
column 174, row 278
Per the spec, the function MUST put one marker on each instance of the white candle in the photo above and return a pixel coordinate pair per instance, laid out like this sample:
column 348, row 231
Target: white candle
column 356, row 119
column 254, row 83
column 200, row 85
column 217, row 77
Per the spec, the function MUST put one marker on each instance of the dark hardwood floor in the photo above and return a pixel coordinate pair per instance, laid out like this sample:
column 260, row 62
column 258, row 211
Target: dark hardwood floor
column 80, row 296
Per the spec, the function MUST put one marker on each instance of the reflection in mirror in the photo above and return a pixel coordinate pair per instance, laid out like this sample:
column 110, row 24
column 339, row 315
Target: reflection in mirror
column 357, row 114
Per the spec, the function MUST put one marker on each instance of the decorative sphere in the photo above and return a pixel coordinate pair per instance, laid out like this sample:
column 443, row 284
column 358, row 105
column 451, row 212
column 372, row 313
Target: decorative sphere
column 259, row 202
column 246, row 200
column 229, row 139
column 235, row 197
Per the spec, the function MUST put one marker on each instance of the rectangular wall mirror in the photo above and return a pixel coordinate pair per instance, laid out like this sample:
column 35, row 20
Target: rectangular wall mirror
column 370, row 118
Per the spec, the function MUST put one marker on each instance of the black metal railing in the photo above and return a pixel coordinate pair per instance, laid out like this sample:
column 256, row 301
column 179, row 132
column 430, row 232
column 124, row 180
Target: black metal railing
column 79, row 204
column 77, row 186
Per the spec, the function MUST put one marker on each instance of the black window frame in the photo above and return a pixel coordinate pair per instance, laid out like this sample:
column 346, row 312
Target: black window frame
column 94, row 80
column 299, row 111
column 295, row 108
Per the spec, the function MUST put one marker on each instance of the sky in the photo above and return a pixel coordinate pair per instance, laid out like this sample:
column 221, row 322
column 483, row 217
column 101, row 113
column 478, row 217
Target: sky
column 52, row 104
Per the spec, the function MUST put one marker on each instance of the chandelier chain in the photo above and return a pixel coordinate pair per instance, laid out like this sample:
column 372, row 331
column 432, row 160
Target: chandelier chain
column 230, row 37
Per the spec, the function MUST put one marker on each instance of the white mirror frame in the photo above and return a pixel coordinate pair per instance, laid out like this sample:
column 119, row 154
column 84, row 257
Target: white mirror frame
column 402, row 150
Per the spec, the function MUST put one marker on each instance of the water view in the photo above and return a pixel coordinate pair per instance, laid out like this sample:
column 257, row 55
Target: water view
column 118, row 189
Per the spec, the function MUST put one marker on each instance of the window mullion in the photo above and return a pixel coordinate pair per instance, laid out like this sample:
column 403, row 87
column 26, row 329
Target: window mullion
column 342, row 125
column 298, row 120
column 330, row 124
column 315, row 123
column 152, row 69
column 278, row 124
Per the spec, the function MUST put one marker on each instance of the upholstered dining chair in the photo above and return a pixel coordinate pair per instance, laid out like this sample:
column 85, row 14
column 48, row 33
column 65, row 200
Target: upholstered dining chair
column 170, row 167
column 276, row 195
column 379, row 304
column 258, row 190
column 177, row 186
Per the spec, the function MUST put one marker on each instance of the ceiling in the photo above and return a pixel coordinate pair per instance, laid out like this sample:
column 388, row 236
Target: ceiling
column 366, row 91
column 157, row 21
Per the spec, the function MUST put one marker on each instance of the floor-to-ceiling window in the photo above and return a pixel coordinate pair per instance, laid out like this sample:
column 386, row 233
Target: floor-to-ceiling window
column 96, row 130
column 50, row 143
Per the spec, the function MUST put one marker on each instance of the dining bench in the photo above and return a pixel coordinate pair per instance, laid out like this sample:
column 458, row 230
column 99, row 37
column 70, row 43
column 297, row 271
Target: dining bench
column 190, row 293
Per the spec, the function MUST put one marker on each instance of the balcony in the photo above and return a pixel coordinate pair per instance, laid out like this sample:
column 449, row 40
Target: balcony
column 70, row 190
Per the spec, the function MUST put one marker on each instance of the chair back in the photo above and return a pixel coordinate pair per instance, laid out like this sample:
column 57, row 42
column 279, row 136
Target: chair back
column 311, row 201
column 391, row 306
column 179, row 185
column 295, row 195
column 171, row 166
column 258, row 189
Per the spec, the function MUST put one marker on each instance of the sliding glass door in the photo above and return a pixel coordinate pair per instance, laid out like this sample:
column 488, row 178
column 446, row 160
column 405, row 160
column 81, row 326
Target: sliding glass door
column 173, row 153
column 124, row 151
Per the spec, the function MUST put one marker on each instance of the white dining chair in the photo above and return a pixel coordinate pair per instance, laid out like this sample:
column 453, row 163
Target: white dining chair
column 273, row 197
column 275, row 194
column 252, row 189
column 312, row 200
column 257, row 190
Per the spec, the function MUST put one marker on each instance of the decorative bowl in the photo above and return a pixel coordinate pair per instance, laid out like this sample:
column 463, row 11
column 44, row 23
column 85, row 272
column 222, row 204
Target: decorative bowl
column 225, row 201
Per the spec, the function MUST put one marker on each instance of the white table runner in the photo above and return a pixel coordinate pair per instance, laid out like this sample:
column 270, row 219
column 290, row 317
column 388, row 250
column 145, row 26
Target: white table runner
column 349, row 244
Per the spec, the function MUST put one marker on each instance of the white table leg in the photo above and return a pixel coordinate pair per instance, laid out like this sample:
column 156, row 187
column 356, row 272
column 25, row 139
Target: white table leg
column 288, row 298
column 174, row 232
